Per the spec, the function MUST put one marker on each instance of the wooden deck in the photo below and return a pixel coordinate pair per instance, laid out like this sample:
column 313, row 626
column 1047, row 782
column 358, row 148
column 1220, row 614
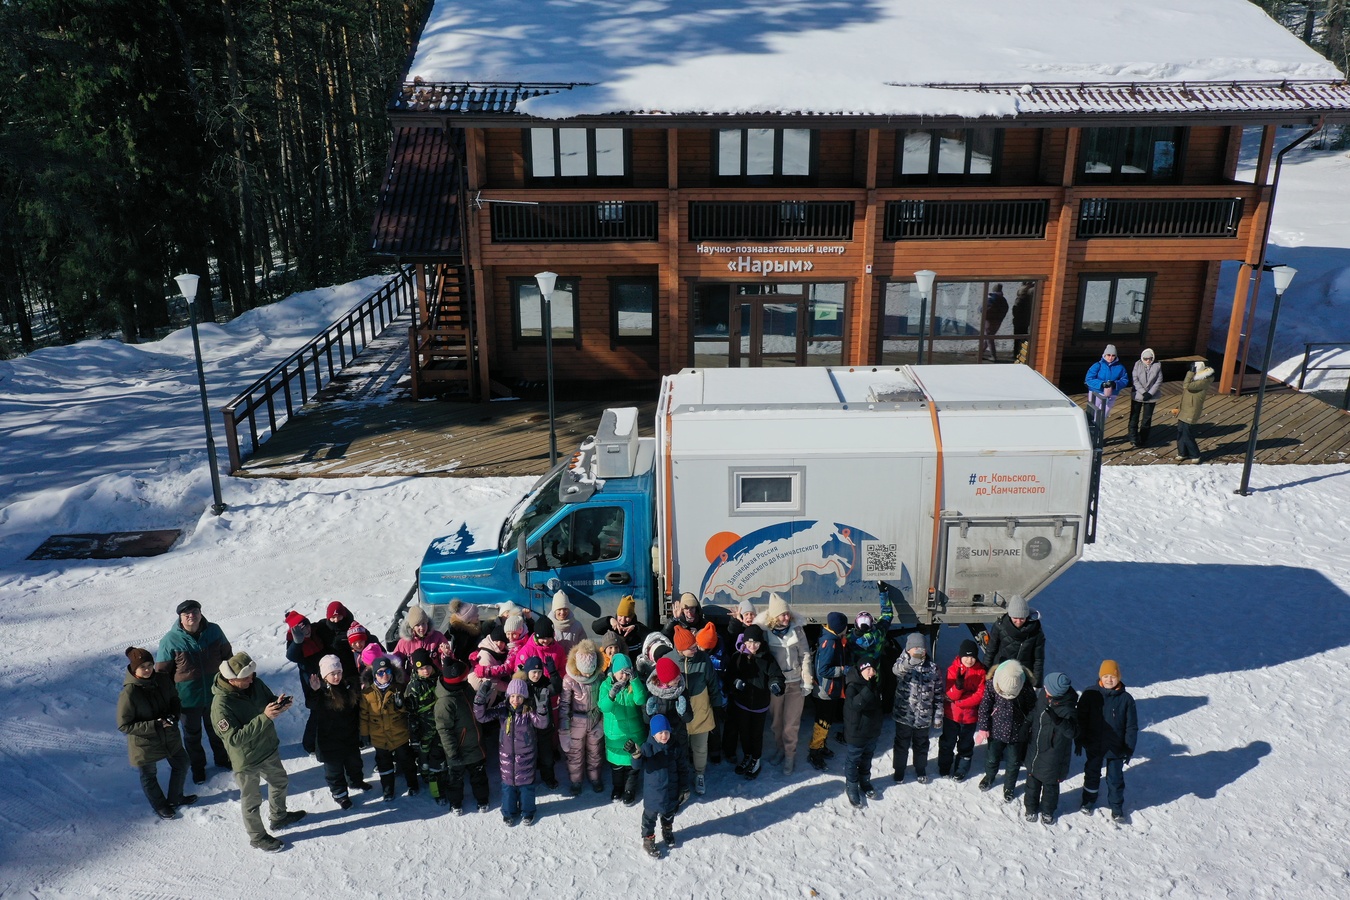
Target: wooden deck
column 348, row 432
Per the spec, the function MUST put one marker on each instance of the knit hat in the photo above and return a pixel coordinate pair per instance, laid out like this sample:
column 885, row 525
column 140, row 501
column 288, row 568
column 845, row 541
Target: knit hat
column 612, row 639
column 745, row 606
column 688, row 601
column 337, row 609
column 1009, row 678
column 465, row 612
column 560, row 601
column 684, row 638
column 238, row 667
column 659, row 724
column 866, row 663
column 655, row 646
column 864, row 621
column 293, row 619
column 1147, row 354
column 136, row 657
column 587, row 661
column 836, row 622
column 754, row 633
column 518, row 687
column 620, row 662
column 514, row 625
column 357, row 633
column 372, row 652
column 531, row 663
column 707, row 637
column 1109, row 667
column 416, row 616
column 383, row 664
column 498, row 634
column 507, row 610
column 188, row 605
column 455, row 672
column 1017, row 607
column 421, row 657
column 1057, row 684
column 627, row 606
column 666, row 671
column 777, row 606
column 1110, row 350
column 328, row 665
column 543, row 628
column 916, row 641
column 968, row 648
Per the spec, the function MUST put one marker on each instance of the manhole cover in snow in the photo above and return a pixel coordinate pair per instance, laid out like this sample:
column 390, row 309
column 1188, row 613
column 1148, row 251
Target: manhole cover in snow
column 106, row 546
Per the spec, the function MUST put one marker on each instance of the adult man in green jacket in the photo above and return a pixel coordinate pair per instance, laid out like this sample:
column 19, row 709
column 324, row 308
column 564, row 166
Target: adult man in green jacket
column 192, row 651
column 244, row 711
column 1192, row 406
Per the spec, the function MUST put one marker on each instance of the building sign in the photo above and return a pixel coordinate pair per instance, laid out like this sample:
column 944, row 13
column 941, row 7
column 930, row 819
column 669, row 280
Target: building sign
column 750, row 257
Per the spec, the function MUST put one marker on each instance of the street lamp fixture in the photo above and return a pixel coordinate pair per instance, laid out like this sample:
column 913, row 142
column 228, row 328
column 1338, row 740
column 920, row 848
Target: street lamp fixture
column 547, row 281
column 1282, row 276
column 924, row 279
column 187, row 285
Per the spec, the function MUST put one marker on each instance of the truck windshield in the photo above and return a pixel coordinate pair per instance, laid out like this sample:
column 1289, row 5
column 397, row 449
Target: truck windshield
column 541, row 502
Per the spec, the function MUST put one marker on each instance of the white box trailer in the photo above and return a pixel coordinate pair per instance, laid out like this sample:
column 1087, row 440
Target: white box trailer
column 956, row 486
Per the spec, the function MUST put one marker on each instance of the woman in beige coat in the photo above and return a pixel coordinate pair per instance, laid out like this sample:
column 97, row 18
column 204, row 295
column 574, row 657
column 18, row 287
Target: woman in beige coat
column 791, row 650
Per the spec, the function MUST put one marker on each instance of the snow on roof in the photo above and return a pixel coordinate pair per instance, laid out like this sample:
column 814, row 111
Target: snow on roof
column 842, row 56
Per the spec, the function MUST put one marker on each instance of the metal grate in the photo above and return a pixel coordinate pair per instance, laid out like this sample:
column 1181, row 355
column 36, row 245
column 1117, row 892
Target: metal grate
column 1204, row 218
column 570, row 223
column 820, row 220
column 916, row 220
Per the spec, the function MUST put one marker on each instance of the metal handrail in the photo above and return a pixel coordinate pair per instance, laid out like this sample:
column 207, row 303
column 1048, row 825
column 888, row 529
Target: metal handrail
column 921, row 220
column 1306, row 367
column 1115, row 217
column 309, row 369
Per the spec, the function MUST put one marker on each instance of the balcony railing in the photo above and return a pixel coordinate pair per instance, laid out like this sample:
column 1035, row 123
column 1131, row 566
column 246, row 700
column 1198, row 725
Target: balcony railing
column 817, row 220
column 921, row 220
column 1200, row 218
column 574, row 223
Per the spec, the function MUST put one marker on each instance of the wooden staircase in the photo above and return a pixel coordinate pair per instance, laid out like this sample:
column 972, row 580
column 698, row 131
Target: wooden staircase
column 441, row 338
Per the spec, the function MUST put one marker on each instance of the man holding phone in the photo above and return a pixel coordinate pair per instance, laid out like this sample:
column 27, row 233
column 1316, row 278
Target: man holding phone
column 243, row 714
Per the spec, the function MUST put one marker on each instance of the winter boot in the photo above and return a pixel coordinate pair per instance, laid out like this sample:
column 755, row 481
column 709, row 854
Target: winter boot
column 867, row 789
column 789, row 763
column 700, row 785
column 852, row 792
column 668, row 831
column 1118, row 817
column 1008, row 794
column 1089, row 801
column 1031, row 815
column 751, row 767
column 267, row 843
column 649, row 844
column 288, row 819
column 962, row 768
column 387, row 786
column 1047, row 819
column 986, row 782
column 529, row 819
column 817, row 759
column 740, row 766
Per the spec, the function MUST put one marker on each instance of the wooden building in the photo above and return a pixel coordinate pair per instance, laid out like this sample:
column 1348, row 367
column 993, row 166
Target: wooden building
column 1092, row 213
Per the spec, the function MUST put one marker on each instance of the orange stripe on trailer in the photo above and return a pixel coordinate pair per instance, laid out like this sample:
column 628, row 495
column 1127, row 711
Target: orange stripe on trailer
column 937, row 489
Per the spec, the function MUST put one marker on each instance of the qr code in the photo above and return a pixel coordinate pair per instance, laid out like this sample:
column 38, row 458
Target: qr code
column 881, row 560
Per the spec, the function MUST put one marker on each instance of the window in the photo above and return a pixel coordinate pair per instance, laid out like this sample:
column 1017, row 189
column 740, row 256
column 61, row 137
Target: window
column 632, row 311
column 984, row 321
column 765, row 155
column 757, row 491
column 1113, row 306
column 528, row 311
column 588, row 535
column 1115, row 155
column 591, row 153
column 947, row 154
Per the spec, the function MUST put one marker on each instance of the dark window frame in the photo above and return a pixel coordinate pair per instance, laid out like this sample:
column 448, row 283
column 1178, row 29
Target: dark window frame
column 932, row 176
column 1109, row 334
column 519, row 340
column 1115, row 176
column 617, row 340
column 777, row 179
column 590, row 179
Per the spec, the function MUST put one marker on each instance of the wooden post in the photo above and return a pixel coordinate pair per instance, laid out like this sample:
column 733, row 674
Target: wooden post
column 670, row 356
column 860, row 345
column 1229, row 377
column 1048, row 344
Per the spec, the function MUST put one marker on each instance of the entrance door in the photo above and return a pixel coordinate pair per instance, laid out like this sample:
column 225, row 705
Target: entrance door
column 767, row 331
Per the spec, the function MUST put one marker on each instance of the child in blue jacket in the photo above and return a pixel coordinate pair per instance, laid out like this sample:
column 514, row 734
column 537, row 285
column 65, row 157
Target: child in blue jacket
column 660, row 787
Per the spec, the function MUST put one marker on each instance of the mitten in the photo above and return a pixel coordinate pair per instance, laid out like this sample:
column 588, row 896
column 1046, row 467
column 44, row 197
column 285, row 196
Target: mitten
column 398, row 701
column 653, row 707
column 776, row 689
column 739, row 684
column 614, row 690
column 981, row 737
column 550, row 666
column 484, row 689
column 631, row 747
column 681, row 706
column 565, row 724
column 298, row 634
column 541, row 706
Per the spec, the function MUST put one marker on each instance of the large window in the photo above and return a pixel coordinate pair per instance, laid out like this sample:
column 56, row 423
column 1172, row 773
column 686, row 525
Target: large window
column 527, row 311
column 1116, row 155
column 947, row 154
column 1113, row 306
column 632, row 310
column 589, row 535
column 962, row 322
column 596, row 154
column 765, row 155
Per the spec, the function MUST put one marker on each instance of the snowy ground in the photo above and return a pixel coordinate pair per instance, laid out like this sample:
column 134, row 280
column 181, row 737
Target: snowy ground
column 1230, row 617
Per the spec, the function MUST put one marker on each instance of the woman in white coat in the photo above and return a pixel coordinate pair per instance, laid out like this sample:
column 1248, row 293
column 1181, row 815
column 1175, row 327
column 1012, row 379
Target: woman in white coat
column 1147, row 378
column 791, row 650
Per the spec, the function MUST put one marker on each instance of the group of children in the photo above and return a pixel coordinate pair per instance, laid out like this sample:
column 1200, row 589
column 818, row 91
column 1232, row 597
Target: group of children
column 436, row 706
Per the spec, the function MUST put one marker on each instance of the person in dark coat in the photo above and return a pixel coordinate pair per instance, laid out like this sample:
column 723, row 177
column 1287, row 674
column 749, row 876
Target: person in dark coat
column 1023, row 302
column 755, row 677
column 1004, row 717
column 995, row 311
column 1018, row 635
column 147, row 713
column 831, row 663
column 863, row 715
column 1108, row 727
column 464, row 630
column 917, row 706
column 332, row 631
column 336, row 711
column 191, row 651
column 460, row 738
column 516, row 745
column 624, row 623
column 305, row 649
column 688, row 615
column 1054, row 732
column 660, row 785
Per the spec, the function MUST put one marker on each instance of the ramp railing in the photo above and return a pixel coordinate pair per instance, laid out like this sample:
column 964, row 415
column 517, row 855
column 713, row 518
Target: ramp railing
column 1323, row 360
column 304, row 373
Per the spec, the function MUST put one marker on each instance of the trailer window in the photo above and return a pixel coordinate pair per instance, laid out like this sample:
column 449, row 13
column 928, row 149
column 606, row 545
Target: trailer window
column 763, row 492
column 591, row 534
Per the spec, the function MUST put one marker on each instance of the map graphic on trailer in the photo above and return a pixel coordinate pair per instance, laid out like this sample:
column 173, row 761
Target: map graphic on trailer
column 818, row 562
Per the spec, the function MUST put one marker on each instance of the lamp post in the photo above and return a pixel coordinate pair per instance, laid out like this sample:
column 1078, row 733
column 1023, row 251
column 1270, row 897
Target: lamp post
column 547, row 281
column 187, row 284
column 1282, row 276
column 924, row 279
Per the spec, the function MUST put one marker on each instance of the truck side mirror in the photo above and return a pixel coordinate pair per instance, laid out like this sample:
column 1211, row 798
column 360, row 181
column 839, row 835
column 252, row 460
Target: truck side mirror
column 522, row 565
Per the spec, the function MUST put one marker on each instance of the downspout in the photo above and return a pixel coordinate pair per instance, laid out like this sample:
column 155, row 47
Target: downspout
column 1254, row 292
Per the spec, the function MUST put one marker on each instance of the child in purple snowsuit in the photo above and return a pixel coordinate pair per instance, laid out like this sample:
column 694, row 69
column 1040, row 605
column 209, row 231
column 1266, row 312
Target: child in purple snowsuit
column 516, row 745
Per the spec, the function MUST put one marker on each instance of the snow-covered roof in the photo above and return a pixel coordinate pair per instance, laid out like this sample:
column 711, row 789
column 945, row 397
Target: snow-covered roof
column 844, row 57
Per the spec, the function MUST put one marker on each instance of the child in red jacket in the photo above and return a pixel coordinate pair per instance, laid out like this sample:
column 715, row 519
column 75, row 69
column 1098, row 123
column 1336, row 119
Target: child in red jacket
column 965, row 690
